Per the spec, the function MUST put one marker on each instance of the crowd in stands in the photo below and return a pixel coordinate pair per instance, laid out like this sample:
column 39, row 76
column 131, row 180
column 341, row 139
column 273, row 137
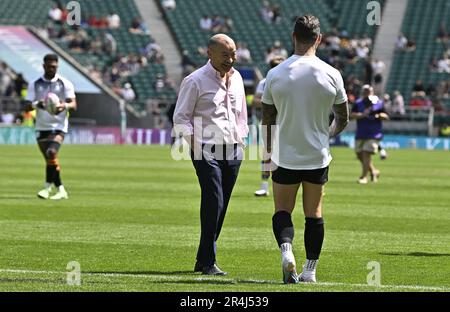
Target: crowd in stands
column 430, row 96
column 275, row 51
column 270, row 13
column 12, row 85
column 243, row 54
column 120, row 67
column 441, row 65
column 216, row 24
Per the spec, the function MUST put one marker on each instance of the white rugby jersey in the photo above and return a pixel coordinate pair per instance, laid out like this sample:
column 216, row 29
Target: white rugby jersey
column 37, row 92
column 303, row 90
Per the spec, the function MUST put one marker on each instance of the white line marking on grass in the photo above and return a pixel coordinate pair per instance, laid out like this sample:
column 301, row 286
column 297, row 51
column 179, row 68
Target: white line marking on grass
column 231, row 281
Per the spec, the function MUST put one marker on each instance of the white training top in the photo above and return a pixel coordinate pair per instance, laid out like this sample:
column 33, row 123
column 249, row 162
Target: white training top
column 303, row 90
column 37, row 92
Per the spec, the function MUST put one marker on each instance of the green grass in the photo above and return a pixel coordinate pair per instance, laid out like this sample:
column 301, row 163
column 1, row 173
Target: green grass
column 132, row 222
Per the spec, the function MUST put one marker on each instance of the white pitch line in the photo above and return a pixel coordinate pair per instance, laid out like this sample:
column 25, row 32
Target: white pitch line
column 235, row 281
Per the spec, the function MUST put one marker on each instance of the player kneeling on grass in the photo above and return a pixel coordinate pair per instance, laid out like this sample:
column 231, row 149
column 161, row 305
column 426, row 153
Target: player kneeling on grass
column 52, row 96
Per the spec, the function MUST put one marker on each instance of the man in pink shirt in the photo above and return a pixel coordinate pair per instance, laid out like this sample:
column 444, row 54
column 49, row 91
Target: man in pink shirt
column 211, row 115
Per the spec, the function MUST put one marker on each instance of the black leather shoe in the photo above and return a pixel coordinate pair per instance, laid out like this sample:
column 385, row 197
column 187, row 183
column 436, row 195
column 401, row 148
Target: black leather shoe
column 213, row 270
column 198, row 267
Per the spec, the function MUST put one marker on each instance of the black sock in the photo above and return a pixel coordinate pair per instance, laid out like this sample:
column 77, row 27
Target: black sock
column 314, row 233
column 57, row 177
column 50, row 174
column 283, row 227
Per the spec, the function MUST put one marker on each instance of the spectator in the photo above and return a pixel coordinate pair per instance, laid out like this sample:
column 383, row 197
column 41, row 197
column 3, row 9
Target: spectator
column 78, row 44
column 398, row 104
column 228, row 24
column 154, row 52
column 155, row 110
column 5, row 79
column 133, row 64
column 113, row 20
column 276, row 14
column 217, row 24
column 64, row 13
column 96, row 46
column 138, row 26
column 55, row 14
column 266, row 12
column 334, row 41
column 366, row 41
column 205, row 23
column 128, row 92
column 187, row 64
column 354, row 86
column 418, row 89
column 378, row 69
column 387, row 103
column 402, row 41
column 362, row 51
column 243, row 54
column 444, row 64
column 160, row 83
column 96, row 74
column 116, row 87
column 8, row 118
column 103, row 22
column 419, row 102
column 63, row 34
column 93, row 21
column 19, row 85
column 277, row 50
column 410, row 46
column 169, row 4
column 368, row 71
column 202, row 51
column 110, row 44
column 50, row 31
column 442, row 90
column 434, row 66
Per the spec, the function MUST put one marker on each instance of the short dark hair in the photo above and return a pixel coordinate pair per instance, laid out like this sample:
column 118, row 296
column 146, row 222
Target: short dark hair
column 307, row 29
column 276, row 61
column 50, row 58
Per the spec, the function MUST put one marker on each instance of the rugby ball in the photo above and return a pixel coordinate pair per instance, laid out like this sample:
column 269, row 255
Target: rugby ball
column 50, row 102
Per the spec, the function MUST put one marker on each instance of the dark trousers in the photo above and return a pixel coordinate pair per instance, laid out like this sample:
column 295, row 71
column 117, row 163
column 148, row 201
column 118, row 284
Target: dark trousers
column 217, row 176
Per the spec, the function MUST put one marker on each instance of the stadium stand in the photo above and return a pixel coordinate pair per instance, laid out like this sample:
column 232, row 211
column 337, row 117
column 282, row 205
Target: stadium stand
column 130, row 45
column 250, row 28
column 421, row 25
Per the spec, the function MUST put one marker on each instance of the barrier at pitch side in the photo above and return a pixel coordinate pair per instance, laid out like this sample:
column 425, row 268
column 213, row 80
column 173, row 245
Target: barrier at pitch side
column 17, row 135
column 25, row 135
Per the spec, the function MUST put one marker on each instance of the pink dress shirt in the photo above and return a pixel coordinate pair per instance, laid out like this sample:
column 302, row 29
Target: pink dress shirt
column 212, row 108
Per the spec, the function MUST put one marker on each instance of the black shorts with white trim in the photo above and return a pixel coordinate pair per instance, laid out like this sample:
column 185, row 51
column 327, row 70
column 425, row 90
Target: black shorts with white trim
column 288, row 176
